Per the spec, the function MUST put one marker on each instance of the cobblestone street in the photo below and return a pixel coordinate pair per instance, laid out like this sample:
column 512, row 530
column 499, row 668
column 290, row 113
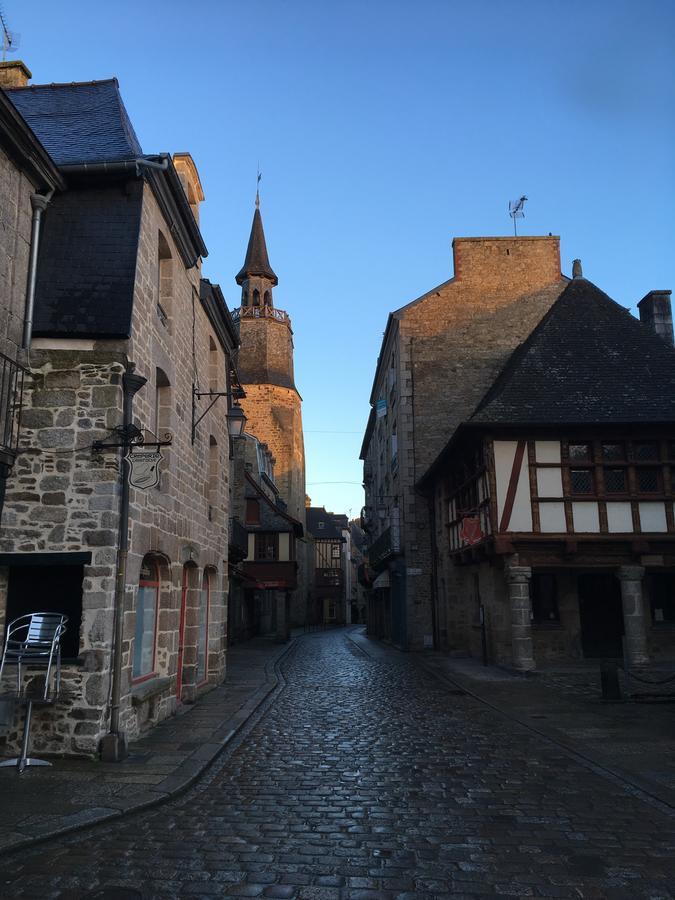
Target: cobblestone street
column 365, row 777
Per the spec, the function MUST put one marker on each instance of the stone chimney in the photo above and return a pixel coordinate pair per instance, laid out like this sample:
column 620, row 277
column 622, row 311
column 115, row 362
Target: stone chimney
column 655, row 312
column 14, row 74
column 496, row 264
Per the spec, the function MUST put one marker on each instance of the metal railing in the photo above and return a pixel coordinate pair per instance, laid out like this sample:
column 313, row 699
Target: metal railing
column 11, row 402
column 260, row 312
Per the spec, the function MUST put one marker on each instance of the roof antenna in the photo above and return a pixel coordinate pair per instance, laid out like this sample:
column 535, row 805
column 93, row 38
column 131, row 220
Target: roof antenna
column 517, row 211
column 257, row 189
column 10, row 39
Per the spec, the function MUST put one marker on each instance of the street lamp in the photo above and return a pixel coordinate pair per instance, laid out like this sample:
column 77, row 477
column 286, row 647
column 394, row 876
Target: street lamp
column 236, row 421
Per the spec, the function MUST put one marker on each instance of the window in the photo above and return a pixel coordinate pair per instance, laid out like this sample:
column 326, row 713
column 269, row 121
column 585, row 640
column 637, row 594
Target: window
column 213, row 366
column 164, row 280
column 648, row 480
column 335, row 551
column 256, row 297
column 162, row 402
column 252, row 512
column 615, row 481
column 244, row 297
column 613, row 452
column 27, row 593
column 579, row 451
column 147, row 601
column 544, row 597
column 581, row 481
column 203, row 628
column 646, row 452
column 267, row 299
column 267, row 545
column 213, row 480
column 663, row 597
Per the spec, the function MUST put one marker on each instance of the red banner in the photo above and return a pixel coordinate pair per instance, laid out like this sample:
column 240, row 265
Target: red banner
column 470, row 531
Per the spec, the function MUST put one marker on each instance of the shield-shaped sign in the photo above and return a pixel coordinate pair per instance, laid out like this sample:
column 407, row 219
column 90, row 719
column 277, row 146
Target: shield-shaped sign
column 144, row 468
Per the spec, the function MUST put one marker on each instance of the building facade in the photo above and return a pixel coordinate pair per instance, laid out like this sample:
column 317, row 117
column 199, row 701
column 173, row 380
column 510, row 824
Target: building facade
column 439, row 354
column 327, row 604
column 552, row 504
column 128, row 344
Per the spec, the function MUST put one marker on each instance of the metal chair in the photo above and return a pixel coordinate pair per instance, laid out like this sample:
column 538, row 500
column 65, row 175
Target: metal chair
column 33, row 639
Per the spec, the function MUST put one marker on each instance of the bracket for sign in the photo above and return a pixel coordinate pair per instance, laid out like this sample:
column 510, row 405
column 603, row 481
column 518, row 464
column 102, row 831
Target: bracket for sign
column 132, row 436
column 197, row 395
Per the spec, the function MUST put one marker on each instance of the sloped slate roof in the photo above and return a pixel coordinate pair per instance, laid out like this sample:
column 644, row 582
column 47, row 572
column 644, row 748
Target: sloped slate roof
column 321, row 524
column 588, row 361
column 257, row 262
column 79, row 122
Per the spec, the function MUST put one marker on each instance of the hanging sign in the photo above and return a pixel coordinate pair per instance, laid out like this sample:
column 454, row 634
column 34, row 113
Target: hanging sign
column 470, row 531
column 381, row 408
column 144, row 468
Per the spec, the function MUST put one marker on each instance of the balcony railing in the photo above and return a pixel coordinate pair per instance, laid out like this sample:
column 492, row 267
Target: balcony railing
column 260, row 312
column 11, row 401
column 238, row 542
column 385, row 548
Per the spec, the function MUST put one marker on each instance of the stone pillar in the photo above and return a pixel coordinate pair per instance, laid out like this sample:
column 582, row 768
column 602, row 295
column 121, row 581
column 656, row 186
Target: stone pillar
column 633, row 614
column 518, row 580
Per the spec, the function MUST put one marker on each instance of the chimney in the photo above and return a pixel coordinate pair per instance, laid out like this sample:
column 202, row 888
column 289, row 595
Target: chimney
column 14, row 74
column 655, row 312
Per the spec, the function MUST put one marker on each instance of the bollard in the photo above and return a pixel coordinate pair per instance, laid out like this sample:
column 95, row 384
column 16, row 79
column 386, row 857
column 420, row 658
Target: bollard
column 609, row 682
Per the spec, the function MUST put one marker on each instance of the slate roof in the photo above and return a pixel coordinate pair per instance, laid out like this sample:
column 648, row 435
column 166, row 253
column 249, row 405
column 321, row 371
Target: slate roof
column 321, row 524
column 257, row 262
column 79, row 122
column 588, row 361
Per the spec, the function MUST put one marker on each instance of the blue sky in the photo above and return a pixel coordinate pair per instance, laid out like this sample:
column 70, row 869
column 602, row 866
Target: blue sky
column 383, row 129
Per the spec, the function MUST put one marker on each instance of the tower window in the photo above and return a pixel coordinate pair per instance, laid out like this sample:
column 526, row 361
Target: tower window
column 267, row 300
column 256, row 297
column 244, row 298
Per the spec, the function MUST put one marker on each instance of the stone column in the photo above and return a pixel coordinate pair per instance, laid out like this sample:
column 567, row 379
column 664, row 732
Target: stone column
column 633, row 614
column 518, row 580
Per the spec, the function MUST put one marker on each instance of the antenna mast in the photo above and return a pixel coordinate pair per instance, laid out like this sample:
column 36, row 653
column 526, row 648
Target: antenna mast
column 517, row 211
column 10, row 40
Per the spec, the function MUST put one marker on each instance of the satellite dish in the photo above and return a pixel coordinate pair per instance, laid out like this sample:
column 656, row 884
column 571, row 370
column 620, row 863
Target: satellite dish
column 517, row 211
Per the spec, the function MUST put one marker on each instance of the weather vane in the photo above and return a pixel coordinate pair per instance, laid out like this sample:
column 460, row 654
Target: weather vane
column 257, row 188
column 517, row 211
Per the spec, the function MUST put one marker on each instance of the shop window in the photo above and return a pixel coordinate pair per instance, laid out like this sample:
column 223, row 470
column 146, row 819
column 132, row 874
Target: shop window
column 47, row 588
column 252, row 512
column 544, row 598
column 663, row 597
column 145, row 634
column 267, row 545
column 203, row 628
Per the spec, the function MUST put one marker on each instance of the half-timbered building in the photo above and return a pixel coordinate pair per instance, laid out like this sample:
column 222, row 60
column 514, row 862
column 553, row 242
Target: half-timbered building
column 554, row 530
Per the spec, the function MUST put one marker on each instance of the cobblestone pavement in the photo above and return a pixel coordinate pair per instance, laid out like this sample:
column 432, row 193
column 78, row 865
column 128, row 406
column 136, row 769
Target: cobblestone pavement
column 367, row 777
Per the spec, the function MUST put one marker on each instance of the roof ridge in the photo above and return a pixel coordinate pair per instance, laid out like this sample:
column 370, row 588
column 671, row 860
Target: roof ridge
column 62, row 84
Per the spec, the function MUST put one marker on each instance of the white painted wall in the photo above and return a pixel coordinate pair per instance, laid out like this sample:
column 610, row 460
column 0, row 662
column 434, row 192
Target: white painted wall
column 521, row 515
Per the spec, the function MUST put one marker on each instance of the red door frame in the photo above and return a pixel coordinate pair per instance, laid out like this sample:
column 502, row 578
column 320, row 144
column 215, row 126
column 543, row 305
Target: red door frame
column 181, row 632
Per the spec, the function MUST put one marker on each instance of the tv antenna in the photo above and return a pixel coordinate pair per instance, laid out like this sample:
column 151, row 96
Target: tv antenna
column 517, row 211
column 10, row 39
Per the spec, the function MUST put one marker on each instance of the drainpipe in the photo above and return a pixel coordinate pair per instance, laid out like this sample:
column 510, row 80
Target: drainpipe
column 114, row 744
column 123, row 165
column 39, row 203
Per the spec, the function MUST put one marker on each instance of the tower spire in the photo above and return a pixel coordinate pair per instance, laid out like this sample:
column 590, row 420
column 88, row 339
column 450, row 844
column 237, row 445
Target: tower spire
column 257, row 261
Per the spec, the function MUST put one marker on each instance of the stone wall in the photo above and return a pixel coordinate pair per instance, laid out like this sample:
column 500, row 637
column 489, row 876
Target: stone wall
column 63, row 497
column 15, row 229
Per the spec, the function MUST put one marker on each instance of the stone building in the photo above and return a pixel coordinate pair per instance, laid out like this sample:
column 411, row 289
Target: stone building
column 356, row 596
column 126, row 342
column 273, row 405
column 28, row 179
column 264, row 564
column 552, row 502
column 439, row 355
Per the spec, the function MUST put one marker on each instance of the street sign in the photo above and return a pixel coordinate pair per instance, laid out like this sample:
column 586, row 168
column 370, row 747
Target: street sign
column 143, row 467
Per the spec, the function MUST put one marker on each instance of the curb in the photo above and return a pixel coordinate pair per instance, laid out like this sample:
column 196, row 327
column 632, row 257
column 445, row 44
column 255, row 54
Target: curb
column 183, row 778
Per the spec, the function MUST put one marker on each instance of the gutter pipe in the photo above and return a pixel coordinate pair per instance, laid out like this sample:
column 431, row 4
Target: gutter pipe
column 124, row 165
column 114, row 744
column 39, row 203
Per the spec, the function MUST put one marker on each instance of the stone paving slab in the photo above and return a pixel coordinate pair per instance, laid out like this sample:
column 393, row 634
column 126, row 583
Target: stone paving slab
column 76, row 793
column 632, row 741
